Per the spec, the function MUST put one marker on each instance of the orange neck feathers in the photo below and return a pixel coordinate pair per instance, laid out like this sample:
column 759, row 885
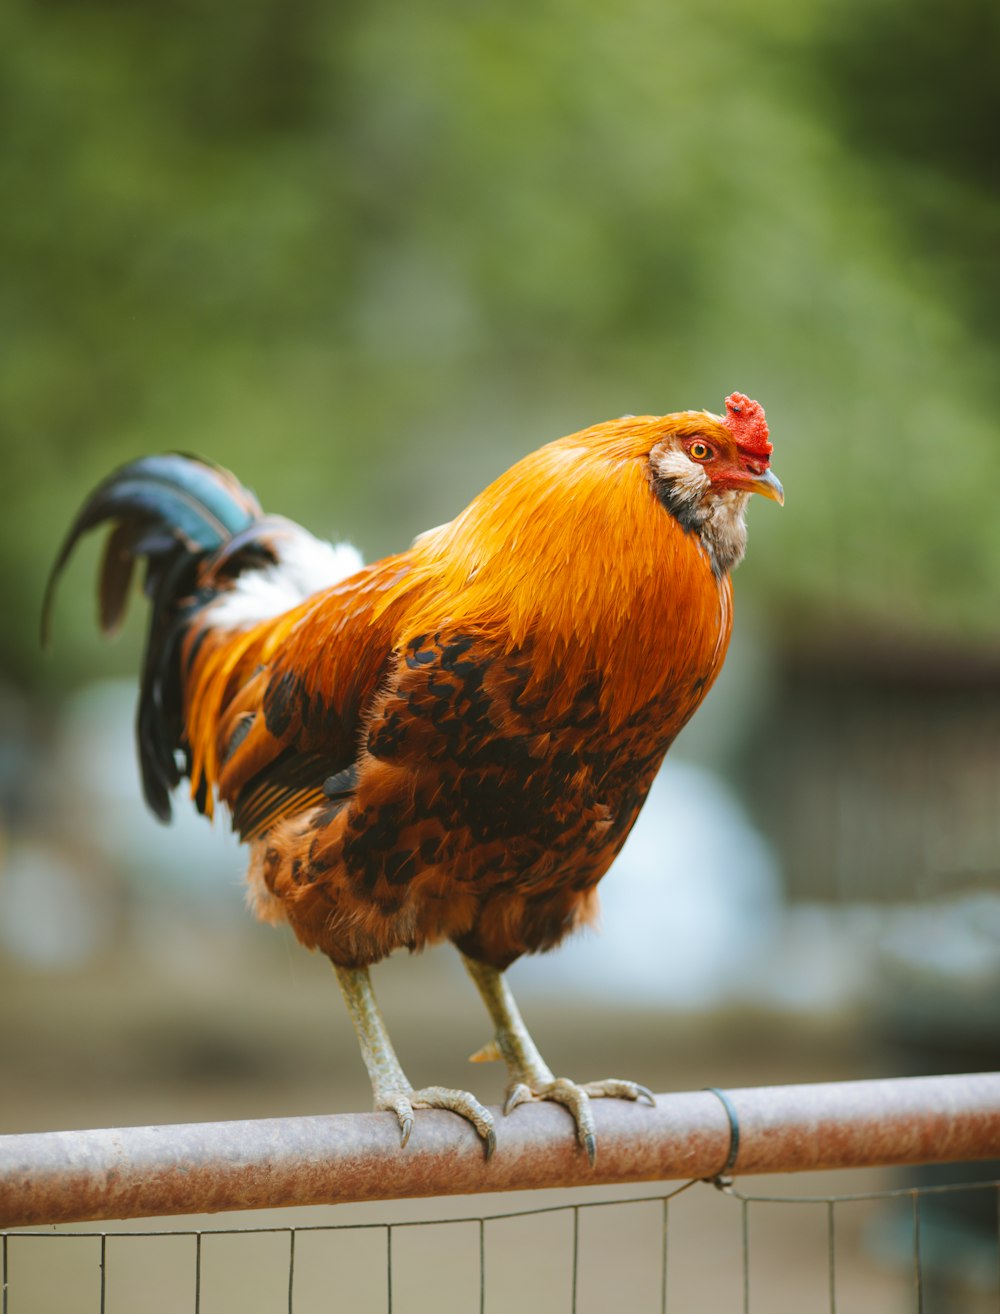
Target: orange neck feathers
column 571, row 550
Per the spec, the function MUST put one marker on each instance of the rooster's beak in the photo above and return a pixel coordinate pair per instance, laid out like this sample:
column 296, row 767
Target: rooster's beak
column 768, row 486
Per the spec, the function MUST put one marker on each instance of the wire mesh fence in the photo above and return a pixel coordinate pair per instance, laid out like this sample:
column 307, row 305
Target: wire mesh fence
column 895, row 1249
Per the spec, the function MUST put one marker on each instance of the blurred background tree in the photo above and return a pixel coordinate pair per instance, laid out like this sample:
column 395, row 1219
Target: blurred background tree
column 369, row 254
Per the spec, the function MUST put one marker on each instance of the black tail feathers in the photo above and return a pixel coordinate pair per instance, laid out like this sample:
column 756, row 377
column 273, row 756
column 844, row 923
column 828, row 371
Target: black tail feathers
column 173, row 511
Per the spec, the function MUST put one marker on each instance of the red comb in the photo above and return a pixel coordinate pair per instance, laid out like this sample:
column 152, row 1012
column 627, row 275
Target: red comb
column 745, row 421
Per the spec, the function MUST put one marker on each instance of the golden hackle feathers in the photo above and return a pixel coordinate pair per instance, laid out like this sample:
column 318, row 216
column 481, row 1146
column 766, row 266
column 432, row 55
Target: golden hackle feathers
column 569, row 548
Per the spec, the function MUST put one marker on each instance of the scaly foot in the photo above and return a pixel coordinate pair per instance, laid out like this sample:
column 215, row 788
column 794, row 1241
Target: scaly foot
column 576, row 1098
column 403, row 1102
column 530, row 1077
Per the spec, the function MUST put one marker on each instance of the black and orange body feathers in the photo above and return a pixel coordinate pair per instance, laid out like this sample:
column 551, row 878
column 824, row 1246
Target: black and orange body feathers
column 453, row 742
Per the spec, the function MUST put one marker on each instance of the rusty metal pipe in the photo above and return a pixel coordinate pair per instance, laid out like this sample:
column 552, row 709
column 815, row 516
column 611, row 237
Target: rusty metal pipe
column 135, row 1172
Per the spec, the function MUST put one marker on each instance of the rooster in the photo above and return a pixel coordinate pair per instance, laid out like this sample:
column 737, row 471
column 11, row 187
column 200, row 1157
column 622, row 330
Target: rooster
column 453, row 742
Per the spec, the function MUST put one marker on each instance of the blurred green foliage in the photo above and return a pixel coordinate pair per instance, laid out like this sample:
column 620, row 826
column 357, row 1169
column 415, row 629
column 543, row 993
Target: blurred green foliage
column 368, row 254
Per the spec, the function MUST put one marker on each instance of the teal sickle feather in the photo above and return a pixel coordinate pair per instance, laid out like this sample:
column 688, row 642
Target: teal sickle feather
column 171, row 511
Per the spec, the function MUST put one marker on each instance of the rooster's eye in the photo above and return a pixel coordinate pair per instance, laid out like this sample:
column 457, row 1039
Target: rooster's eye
column 700, row 451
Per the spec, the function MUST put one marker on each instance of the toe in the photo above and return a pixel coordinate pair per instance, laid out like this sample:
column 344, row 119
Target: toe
column 613, row 1088
column 577, row 1100
column 576, row 1097
column 402, row 1106
column 465, row 1105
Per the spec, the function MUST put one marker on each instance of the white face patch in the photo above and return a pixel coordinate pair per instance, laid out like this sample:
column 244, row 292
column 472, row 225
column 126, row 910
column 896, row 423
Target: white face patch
column 687, row 478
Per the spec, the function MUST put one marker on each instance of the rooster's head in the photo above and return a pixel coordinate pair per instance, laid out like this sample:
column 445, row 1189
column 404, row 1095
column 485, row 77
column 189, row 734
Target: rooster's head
column 704, row 468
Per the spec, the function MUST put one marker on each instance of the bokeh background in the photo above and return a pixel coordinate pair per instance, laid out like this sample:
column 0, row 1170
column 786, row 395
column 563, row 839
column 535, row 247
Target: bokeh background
column 367, row 255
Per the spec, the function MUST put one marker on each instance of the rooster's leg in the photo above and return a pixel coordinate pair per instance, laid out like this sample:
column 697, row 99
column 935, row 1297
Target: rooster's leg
column 530, row 1076
column 392, row 1091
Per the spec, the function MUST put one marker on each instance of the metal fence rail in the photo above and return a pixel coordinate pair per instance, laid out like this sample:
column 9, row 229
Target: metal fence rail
column 138, row 1172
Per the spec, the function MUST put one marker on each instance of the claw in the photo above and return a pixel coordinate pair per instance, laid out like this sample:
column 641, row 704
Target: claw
column 519, row 1094
column 590, row 1145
